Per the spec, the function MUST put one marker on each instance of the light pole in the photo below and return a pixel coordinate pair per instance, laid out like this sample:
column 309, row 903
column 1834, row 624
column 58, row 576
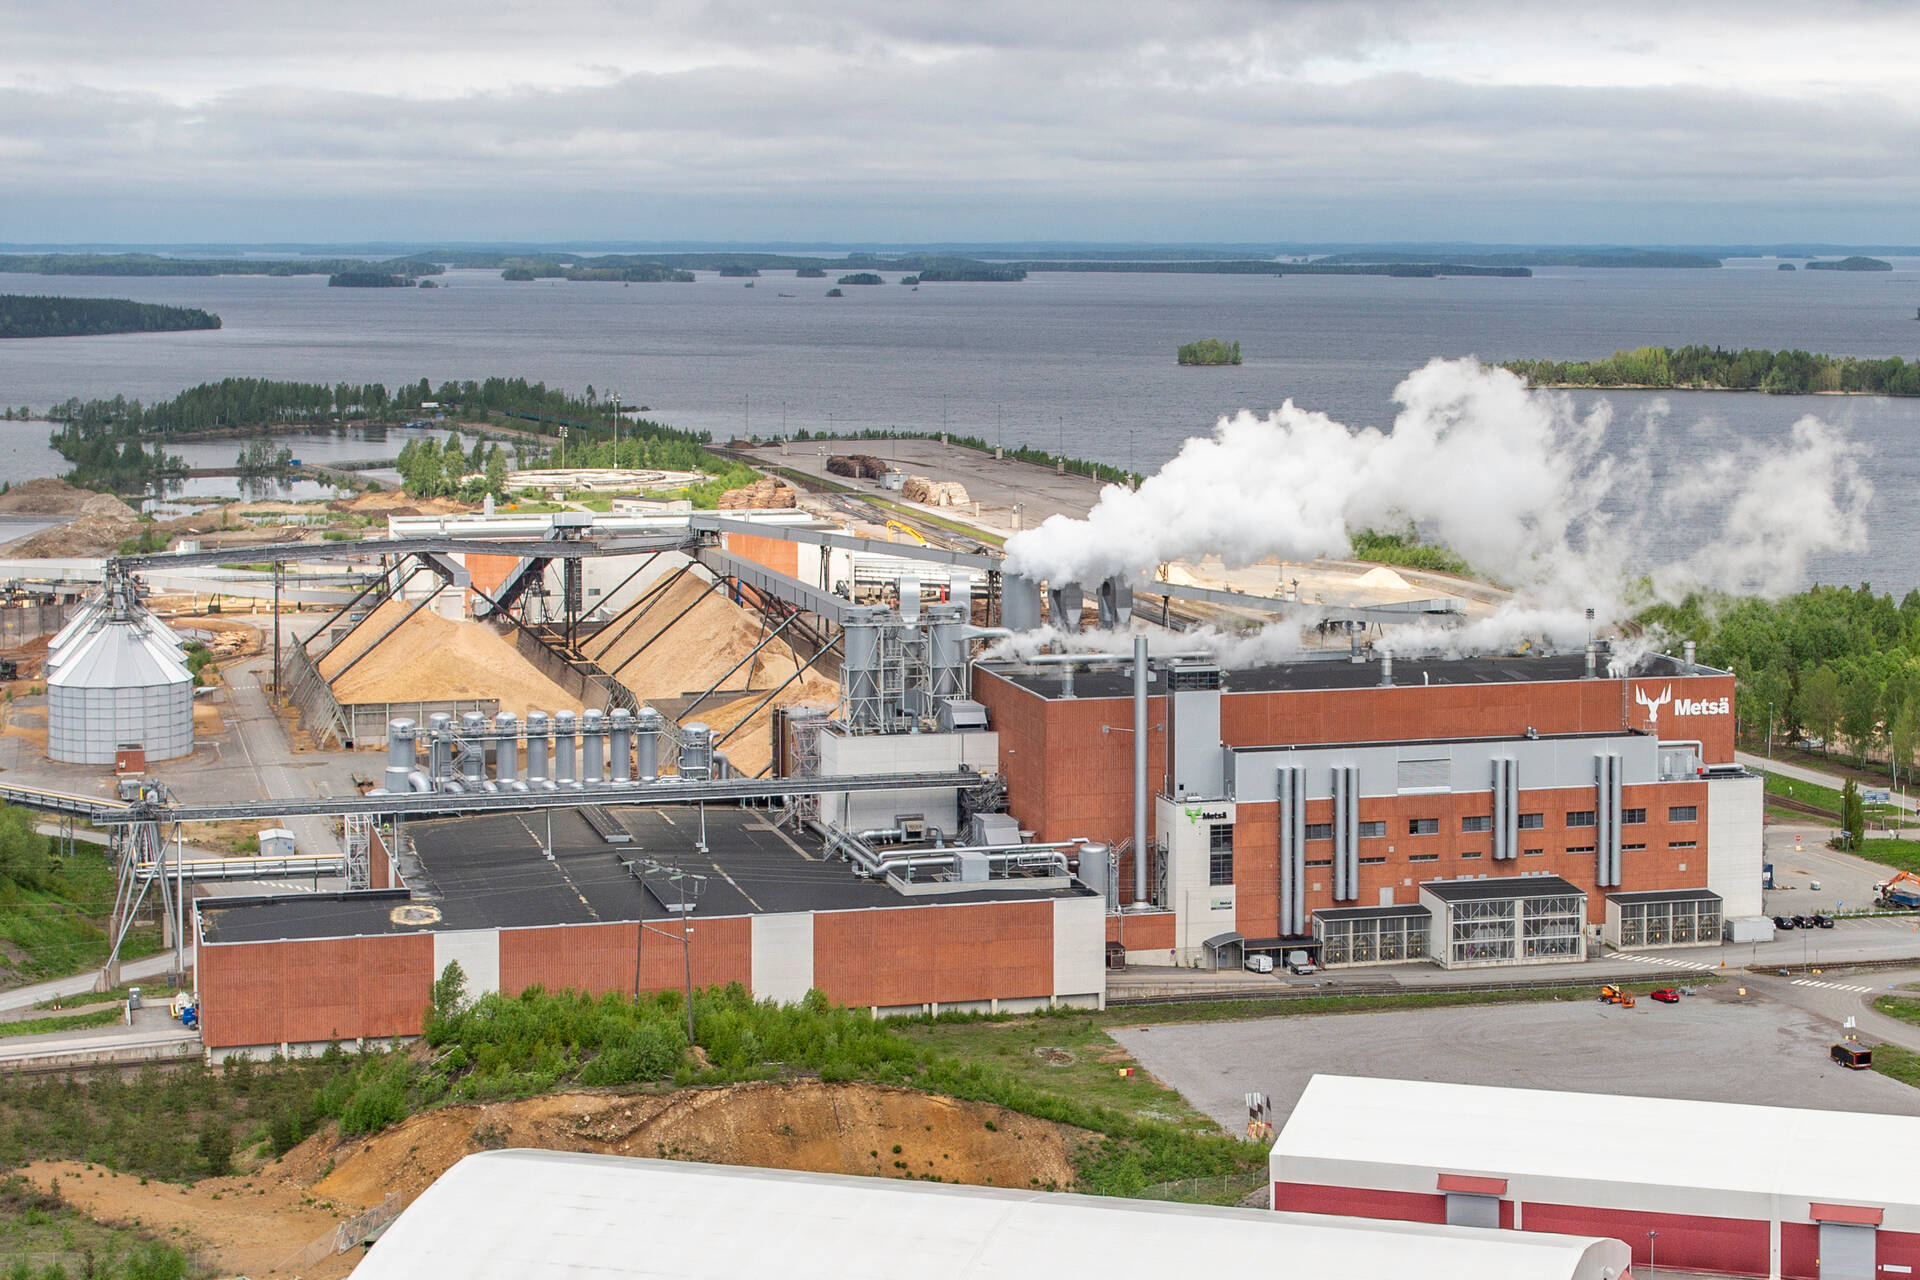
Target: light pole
column 616, row 430
column 1651, row 1237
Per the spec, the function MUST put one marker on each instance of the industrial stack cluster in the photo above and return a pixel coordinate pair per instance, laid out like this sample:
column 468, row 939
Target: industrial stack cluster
column 561, row 752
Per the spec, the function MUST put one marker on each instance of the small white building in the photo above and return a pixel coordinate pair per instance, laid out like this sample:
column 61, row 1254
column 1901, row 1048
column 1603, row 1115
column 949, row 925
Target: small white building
column 1694, row 1186
column 544, row 1215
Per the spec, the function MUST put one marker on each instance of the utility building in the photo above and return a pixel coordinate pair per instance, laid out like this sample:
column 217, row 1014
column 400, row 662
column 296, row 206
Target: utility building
column 1344, row 804
column 1692, row 1186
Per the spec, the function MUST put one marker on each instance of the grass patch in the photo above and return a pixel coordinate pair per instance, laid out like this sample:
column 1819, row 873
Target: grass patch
column 1897, row 1063
column 58, row 928
column 42, row 1236
column 1301, row 1006
column 151, row 993
column 1906, row 1008
column 1811, row 792
column 1406, row 548
column 104, row 1017
column 1902, row 854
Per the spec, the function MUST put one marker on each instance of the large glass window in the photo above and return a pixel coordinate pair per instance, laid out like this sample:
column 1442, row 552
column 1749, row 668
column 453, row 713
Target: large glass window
column 1580, row 818
column 1319, row 831
column 1532, row 821
column 1632, row 817
column 1220, row 854
column 1482, row 822
column 1683, row 813
column 1423, row 826
column 1372, row 830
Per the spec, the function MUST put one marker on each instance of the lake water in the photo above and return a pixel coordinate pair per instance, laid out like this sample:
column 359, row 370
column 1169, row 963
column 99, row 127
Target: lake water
column 1076, row 363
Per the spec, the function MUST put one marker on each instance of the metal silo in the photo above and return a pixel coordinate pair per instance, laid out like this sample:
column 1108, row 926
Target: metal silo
column 119, row 680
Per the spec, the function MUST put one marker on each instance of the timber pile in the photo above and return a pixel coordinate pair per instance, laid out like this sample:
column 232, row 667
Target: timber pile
column 935, row 493
column 861, row 466
column 657, row 657
column 763, row 495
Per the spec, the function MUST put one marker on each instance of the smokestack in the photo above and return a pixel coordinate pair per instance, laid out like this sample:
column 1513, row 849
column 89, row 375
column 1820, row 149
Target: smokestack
column 1139, row 770
column 1353, row 643
column 1386, row 669
column 1593, row 659
column 1688, row 649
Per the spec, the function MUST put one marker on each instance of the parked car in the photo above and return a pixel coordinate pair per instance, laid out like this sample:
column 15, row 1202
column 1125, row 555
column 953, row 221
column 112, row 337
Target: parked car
column 1806, row 922
column 1259, row 964
column 1823, row 921
column 1856, row 1056
column 1665, row 995
column 1783, row 922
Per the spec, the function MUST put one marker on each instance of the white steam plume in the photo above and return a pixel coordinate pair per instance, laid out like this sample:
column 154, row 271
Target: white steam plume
column 1518, row 482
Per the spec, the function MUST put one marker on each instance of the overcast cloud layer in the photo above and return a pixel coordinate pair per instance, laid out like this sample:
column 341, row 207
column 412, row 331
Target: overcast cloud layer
column 984, row 120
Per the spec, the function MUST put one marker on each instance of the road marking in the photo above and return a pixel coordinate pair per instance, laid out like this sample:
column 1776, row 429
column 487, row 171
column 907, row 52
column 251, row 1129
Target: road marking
column 1668, row 962
column 1831, row 986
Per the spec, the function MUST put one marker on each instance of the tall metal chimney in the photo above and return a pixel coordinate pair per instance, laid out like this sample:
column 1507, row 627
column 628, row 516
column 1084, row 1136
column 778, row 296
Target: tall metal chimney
column 1689, row 649
column 1386, row 669
column 1140, row 674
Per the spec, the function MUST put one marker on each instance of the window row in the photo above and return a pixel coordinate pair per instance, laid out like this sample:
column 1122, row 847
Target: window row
column 1483, row 823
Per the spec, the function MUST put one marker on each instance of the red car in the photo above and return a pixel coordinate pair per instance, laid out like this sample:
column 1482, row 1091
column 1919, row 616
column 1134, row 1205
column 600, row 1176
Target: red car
column 1666, row 995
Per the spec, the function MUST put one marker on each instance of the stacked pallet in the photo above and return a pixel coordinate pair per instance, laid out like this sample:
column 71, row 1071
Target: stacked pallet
column 861, row 466
column 763, row 495
column 935, row 493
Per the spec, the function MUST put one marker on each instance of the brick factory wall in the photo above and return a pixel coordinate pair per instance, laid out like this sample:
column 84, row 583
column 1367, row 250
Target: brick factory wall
column 778, row 554
column 487, row 573
column 1359, row 1202
column 1256, row 853
column 1687, row 1242
column 269, row 993
column 913, row 955
column 1147, row 931
column 594, row 958
column 721, row 952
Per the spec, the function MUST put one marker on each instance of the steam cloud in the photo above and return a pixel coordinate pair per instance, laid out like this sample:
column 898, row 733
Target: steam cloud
column 1518, row 482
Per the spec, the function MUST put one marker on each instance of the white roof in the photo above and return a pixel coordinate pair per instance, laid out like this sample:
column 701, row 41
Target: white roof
column 1673, row 1142
column 127, row 654
column 529, row 1215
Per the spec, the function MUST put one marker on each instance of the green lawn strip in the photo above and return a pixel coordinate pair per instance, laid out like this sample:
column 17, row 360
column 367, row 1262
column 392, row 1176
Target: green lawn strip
column 1897, row 1063
column 1778, row 784
column 58, row 930
column 104, row 1017
column 1904, row 1007
column 1296, row 1006
column 151, row 993
column 1901, row 854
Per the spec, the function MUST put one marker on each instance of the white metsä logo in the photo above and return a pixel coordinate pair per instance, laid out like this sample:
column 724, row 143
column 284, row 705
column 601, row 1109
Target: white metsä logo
column 1682, row 707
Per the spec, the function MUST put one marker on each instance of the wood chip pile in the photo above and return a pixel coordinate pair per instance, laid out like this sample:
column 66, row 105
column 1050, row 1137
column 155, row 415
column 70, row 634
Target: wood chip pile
column 434, row 659
column 689, row 655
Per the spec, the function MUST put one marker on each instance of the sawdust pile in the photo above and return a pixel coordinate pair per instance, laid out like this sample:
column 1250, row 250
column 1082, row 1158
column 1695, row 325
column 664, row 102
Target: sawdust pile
column 692, row 654
column 100, row 524
column 434, row 659
column 751, row 749
column 394, row 502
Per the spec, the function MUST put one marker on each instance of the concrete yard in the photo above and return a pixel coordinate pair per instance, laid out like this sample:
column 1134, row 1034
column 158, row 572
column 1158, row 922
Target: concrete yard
column 1714, row 1046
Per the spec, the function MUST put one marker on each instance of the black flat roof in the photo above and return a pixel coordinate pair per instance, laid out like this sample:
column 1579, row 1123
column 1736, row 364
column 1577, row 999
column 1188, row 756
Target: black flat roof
column 1665, row 895
column 1395, row 912
column 1500, row 887
column 489, row 872
column 1339, row 673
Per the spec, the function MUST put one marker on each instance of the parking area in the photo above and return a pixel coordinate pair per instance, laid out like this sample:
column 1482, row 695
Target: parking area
column 1715, row 1046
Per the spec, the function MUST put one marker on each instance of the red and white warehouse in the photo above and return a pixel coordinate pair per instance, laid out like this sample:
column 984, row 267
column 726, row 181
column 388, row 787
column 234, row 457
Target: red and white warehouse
column 1333, row 802
column 1708, row 1187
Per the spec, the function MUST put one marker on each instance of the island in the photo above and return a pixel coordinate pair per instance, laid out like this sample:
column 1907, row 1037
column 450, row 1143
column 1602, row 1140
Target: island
column 949, row 271
column 1855, row 263
column 153, row 264
column 735, row 271
column 368, row 280
column 861, row 277
column 809, row 273
column 1703, row 368
column 835, row 293
column 34, row 316
column 1785, row 266
column 1209, row 351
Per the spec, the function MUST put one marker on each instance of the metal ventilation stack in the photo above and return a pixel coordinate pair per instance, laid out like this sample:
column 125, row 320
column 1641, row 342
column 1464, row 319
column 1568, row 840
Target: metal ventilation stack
column 118, row 680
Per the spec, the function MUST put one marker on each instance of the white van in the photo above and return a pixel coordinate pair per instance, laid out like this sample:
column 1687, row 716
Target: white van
column 1259, row 964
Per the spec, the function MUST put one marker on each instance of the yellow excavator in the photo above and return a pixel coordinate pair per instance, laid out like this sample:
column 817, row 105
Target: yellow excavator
column 894, row 526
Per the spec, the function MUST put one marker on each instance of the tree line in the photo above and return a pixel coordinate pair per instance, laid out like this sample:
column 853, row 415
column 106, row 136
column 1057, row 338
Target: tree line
column 153, row 264
column 430, row 469
column 1717, row 369
column 38, row 316
column 1833, row 664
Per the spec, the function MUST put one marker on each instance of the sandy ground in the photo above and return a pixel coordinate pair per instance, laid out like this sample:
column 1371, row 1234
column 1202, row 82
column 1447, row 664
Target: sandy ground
column 258, row 1223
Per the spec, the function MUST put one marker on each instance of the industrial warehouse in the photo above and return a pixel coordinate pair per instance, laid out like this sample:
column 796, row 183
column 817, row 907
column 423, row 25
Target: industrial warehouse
column 1690, row 1186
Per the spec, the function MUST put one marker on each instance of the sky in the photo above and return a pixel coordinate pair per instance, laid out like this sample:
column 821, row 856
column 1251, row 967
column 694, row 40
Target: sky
column 223, row 121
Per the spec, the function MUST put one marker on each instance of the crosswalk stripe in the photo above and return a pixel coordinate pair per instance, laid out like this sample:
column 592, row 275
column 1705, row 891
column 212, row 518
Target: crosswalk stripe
column 1831, row 986
column 1665, row 961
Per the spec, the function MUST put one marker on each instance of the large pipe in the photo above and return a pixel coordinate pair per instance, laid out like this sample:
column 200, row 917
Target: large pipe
column 1386, row 669
column 646, row 743
column 619, row 746
column 506, row 759
column 536, row 748
column 593, row 740
column 563, row 748
column 473, row 725
column 400, row 756
column 1139, row 770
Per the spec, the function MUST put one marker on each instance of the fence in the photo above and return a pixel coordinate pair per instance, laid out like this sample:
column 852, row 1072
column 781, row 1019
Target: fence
column 1225, row 1188
column 351, row 1234
column 22, row 623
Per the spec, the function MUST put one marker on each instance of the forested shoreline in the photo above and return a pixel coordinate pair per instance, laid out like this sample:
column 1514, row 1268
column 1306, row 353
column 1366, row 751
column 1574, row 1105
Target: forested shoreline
column 43, row 316
column 1703, row 368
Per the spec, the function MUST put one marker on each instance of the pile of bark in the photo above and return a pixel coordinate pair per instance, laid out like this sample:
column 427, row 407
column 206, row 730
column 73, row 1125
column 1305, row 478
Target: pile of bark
column 935, row 493
column 762, row 495
column 861, row 466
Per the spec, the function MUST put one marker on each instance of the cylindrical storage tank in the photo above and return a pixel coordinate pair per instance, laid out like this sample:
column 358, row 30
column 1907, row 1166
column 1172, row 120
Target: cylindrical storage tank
column 860, row 666
column 646, row 744
column 506, row 747
column 1019, row 603
column 536, row 746
column 439, row 746
column 1094, row 872
column 400, row 748
column 592, row 746
column 473, row 743
column 119, row 685
column 947, row 651
column 620, row 746
column 563, row 748
column 696, row 751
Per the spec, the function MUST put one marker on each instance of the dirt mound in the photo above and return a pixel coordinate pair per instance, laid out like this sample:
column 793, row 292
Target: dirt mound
column 826, row 1128
column 434, row 659
column 45, row 496
column 395, row 502
column 695, row 651
column 100, row 524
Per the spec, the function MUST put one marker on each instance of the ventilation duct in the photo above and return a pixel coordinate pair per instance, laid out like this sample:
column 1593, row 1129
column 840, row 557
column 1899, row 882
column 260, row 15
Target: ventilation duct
column 1292, row 791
